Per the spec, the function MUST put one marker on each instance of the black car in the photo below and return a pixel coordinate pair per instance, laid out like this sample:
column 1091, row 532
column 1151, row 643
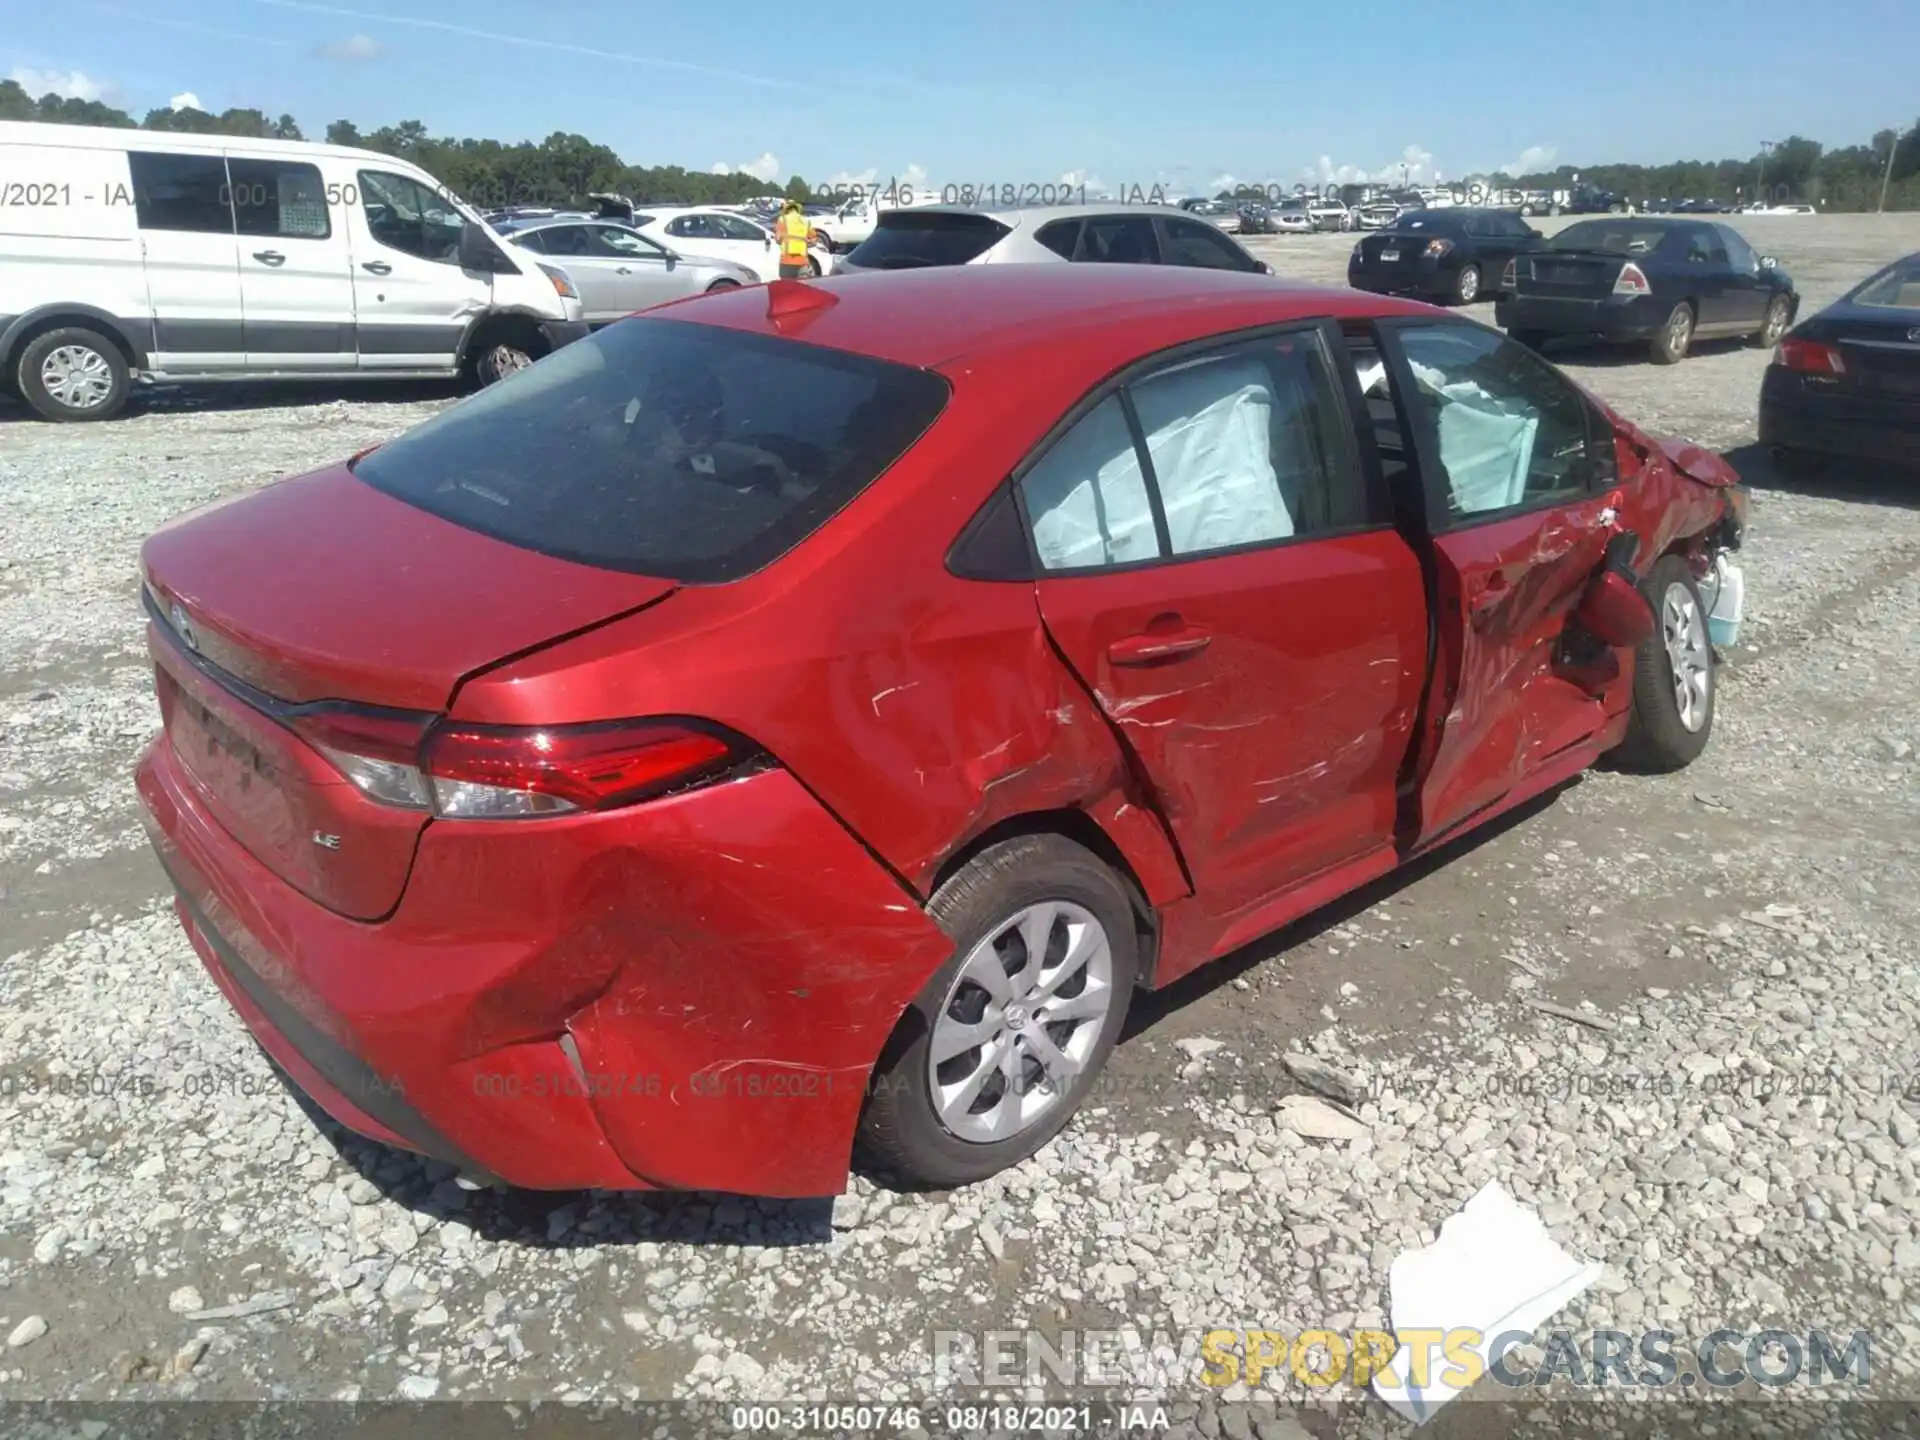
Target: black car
column 1256, row 218
column 1662, row 283
column 1457, row 254
column 1847, row 381
column 1586, row 200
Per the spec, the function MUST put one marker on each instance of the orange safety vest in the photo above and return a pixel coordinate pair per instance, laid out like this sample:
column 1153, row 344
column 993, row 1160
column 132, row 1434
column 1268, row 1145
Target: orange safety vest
column 793, row 232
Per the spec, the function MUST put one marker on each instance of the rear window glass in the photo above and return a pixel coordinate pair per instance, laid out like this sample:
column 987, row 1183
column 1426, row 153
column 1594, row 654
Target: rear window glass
column 690, row 452
column 905, row 239
column 1895, row 288
column 1612, row 237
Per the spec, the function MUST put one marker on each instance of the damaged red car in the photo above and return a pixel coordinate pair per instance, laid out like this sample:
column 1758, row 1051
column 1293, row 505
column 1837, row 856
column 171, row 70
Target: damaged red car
column 792, row 724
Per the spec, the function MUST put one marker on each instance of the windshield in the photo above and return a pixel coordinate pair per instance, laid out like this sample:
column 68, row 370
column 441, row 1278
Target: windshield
column 1613, row 237
column 1895, row 288
column 685, row 451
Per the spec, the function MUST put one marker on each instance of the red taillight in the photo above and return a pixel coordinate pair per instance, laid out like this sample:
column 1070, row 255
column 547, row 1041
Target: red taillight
column 474, row 768
column 462, row 771
column 1633, row 281
column 1439, row 247
column 1809, row 357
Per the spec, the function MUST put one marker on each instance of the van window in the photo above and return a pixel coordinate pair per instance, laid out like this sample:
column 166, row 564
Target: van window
column 691, row 452
column 180, row 192
column 278, row 198
column 405, row 215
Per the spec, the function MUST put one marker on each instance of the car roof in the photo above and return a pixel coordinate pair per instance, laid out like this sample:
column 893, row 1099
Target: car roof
column 555, row 222
column 935, row 316
column 1040, row 214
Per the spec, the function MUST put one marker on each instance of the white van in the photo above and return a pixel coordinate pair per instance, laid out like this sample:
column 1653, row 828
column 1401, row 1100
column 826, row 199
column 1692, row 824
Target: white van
column 129, row 254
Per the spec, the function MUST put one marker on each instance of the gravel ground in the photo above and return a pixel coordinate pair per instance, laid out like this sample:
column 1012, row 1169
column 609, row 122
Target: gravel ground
column 1732, row 1126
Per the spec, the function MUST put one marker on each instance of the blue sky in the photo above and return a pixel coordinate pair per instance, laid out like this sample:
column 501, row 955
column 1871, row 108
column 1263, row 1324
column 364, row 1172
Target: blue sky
column 1180, row 95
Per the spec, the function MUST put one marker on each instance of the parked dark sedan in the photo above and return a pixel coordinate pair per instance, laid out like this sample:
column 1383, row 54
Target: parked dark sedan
column 1457, row 254
column 1662, row 283
column 1847, row 381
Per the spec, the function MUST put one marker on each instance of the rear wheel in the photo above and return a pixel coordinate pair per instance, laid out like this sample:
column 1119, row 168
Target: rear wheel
column 1466, row 285
column 1674, row 680
column 1775, row 325
column 1670, row 345
column 1005, row 1041
column 813, row 267
column 73, row 374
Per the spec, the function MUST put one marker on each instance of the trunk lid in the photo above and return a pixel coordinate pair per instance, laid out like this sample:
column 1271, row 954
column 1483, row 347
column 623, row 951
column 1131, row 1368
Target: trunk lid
column 1392, row 250
column 1567, row 274
column 1881, row 350
column 321, row 592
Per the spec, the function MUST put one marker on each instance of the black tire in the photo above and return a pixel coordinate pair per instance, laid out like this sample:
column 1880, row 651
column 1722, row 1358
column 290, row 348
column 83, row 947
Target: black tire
column 497, row 356
column 91, row 349
column 813, row 267
column 1466, row 285
column 719, row 286
column 1779, row 314
column 1670, row 346
column 900, row 1128
column 1658, row 740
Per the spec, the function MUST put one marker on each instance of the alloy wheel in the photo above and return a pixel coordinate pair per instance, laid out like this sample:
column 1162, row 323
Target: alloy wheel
column 1469, row 285
column 77, row 376
column 1776, row 323
column 1020, row 1022
column 1679, row 329
column 1689, row 655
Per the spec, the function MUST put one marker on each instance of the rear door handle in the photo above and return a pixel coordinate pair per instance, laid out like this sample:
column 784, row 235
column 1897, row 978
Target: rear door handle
column 269, row 257
column 377, row 267
column 1153, row 649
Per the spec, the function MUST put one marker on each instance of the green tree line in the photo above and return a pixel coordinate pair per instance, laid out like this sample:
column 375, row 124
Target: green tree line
column 566, row 168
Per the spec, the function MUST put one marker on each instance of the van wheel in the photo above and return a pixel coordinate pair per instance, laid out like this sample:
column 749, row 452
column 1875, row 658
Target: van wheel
column 1009, row 1035
column 499, row 358
column 1674, row 680
column 73, row 374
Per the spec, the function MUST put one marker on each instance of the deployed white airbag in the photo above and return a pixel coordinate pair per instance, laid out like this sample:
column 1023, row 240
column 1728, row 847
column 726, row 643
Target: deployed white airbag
column 1485, row 448
column 1088, row 498
column 1209, row 429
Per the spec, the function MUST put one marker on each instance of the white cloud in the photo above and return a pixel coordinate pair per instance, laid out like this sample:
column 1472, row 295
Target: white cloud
column 69, row 84
column 1222, row 182
column 914, row 176
column 849, row 178
column 185, row 100
column 765, row 168
column 1530, row 160
column 355, row 47
column 1414, row 167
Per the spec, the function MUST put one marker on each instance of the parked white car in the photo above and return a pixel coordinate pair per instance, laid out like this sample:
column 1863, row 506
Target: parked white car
column 723, row 235
column 131, row 254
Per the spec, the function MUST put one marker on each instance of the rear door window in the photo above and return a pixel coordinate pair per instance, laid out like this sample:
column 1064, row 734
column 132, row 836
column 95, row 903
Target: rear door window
column 909, row 239
column 279, row 198
column 660, row 447
column 1896, row 288
column 1061, row 236
column 1119, row 240
column 1190, row 242
column 181, row 192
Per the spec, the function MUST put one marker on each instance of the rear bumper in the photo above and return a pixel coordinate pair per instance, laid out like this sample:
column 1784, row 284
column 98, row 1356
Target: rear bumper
column 1879, row 428
column 1638, row 317
column 690, row 994
column 1423, row 277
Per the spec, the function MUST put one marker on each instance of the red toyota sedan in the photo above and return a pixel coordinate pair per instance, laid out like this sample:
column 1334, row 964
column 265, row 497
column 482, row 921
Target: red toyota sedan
column 797, row 721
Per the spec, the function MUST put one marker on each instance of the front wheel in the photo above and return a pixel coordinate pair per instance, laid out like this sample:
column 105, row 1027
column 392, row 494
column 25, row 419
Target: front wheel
column 1674, row 678
column 1670, row 345
column 1775, row 325
column 813, row 267
column 1006, row 1039
column 498, row 359
column 1466, row 285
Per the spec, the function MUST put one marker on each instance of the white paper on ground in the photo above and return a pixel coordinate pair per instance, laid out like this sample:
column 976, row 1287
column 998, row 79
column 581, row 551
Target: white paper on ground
column 1493, row 1270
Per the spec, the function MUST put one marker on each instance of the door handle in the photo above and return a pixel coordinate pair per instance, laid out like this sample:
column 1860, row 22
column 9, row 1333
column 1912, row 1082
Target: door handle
column 269, row 257
column 377, row 267
column 1152, row 649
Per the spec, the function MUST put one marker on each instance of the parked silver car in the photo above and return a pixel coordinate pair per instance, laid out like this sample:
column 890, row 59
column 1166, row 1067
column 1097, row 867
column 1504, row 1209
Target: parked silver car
column 922, row 235
column 617, row 270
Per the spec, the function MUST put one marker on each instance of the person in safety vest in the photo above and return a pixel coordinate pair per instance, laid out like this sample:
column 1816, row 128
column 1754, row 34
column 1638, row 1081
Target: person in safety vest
column 791, row 232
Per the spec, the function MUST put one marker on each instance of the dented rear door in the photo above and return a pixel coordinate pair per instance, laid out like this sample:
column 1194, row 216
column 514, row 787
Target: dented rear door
column 1219, row 576
column 1517, row 479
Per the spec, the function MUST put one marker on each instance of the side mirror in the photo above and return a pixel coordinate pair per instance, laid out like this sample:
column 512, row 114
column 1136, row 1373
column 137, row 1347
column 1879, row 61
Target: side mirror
column 478, row 252
column 1264, row 267
column 1767, row 262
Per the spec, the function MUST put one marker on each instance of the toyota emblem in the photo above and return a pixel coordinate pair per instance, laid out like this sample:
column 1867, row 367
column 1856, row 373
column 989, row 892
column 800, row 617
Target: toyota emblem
column 183, row 627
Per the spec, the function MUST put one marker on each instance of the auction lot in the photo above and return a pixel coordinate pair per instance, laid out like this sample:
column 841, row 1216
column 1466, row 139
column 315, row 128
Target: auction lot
column 1735, row 1135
